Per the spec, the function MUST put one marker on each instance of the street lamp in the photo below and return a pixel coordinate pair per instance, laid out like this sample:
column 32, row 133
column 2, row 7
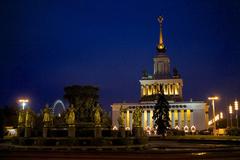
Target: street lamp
column 230, row 112
column 221, row 115
column 213, row 107
column 236, row 109
column 23, row 102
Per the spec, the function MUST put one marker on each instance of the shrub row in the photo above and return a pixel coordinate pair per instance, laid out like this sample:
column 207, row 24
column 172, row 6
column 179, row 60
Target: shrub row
column 78, row 141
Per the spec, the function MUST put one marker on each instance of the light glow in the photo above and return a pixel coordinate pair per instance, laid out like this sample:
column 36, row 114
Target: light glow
column 221, row 115
column 213, row 98
column 236, row 105
column 115, row 128
column 127, row 128
column 23, row 102
column 186, row 129
column 230, row 109
column 217, row 118
column 193, row 129
column 177, row 128
column 210, row 122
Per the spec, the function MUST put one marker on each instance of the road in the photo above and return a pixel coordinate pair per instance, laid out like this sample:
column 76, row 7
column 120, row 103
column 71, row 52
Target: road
column 47, row 155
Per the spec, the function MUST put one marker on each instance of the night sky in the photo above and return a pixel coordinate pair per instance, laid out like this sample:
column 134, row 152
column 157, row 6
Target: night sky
column 46, row 45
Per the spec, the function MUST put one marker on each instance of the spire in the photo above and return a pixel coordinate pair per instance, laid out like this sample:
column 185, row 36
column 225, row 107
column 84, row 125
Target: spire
column 160, row 47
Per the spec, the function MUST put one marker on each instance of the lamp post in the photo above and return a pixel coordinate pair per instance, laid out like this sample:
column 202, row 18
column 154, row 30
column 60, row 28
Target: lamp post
column 213, row 108
column 23, row 102
column 230, row 112
column 236, row 109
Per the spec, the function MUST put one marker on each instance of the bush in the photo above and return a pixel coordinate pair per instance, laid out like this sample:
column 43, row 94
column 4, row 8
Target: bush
column 114, row 133
column 142, row 140
column 233, row 131
column 205, row 132
column 106, row 133
column 175, row 132
column 84, row 133
column 120, row 141
column 15, row 140
column 99, row 141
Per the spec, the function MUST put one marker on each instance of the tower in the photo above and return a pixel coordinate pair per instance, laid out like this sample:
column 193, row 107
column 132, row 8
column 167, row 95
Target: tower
column 161, row 60
column 150, row 85
column 184, row 115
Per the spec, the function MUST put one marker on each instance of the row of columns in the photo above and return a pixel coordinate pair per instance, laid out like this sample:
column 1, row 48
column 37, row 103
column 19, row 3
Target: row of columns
column 169, row 89
column 147, row 120
column 186, row 118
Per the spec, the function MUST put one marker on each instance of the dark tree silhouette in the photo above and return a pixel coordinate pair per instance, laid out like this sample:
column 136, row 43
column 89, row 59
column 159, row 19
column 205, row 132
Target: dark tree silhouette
column 8, row 117
column 161, row 113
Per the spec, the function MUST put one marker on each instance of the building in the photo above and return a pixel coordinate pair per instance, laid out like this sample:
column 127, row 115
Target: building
column 184, row 115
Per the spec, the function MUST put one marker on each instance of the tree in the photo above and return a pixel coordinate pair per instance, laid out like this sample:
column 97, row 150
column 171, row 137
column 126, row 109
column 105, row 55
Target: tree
column 8, row 117
column 106, row 120
column 161, row 113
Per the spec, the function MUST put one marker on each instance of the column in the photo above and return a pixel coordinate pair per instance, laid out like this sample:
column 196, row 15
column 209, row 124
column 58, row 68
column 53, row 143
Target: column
column 165, row 89
column 180, row 90
column 130, row 117
column 146, row 89
column 150, row 89
column 125, row 120
column 206, row 119
column 191, row 118
column 158, row 88
column 145, row 119
column 173, row 120
column 176, row 89
column 185, row 118
column 179, row 119
column 173, row 89
column 153, row 89
column 151, row 119
column 168, row 89
column 142, row 90
column 127, row 117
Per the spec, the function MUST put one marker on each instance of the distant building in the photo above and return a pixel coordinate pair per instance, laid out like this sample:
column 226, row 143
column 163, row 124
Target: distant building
column 184, row 115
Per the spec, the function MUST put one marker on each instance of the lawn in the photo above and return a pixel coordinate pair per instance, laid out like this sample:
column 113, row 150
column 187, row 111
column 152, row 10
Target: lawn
column 204, row 137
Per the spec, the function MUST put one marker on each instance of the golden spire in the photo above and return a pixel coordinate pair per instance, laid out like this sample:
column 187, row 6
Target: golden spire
column 160, row 47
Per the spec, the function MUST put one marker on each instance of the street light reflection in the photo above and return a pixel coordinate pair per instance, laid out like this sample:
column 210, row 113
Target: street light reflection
column 199, row 153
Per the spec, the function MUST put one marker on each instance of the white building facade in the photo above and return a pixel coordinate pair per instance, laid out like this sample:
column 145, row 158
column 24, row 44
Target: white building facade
column 184, row 115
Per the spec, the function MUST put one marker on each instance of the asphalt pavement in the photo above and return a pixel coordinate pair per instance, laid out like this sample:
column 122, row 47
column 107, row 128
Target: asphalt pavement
column 231, row 155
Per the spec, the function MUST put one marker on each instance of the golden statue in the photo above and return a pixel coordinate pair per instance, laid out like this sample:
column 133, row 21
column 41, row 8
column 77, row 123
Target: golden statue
column 70, row 116
column 137, row 117
column 121, row 118
column 47, row 116
column 29, row 118
column 21, row 118
column 97, row 116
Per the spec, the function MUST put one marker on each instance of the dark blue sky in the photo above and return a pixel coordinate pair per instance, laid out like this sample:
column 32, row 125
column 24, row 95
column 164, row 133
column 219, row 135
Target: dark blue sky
column 46, row 45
